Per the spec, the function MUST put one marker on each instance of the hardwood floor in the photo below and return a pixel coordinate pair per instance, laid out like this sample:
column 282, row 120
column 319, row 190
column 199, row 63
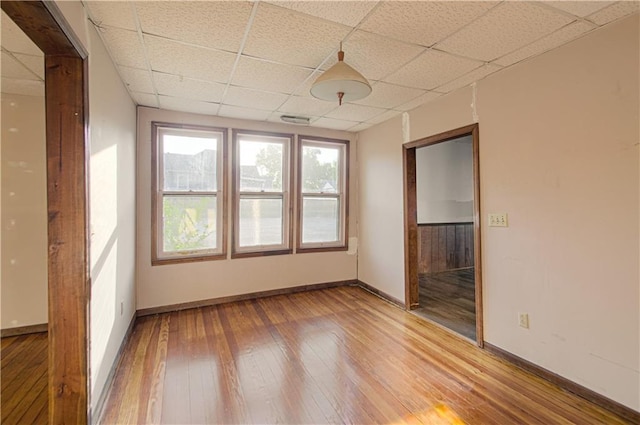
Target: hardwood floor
column 448, row 298
column 337, row 355
column 23, row 394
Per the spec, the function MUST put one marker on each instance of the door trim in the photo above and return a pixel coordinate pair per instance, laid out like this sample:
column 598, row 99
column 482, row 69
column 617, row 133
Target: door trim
column 411, row 219
column 66, row 98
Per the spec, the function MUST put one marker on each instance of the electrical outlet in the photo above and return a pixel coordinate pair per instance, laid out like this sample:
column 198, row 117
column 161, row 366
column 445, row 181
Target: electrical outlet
column 498, row 220
column 523, row 320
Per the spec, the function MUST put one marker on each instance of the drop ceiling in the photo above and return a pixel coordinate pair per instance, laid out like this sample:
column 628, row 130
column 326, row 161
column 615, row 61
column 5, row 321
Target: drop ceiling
column 257, row 59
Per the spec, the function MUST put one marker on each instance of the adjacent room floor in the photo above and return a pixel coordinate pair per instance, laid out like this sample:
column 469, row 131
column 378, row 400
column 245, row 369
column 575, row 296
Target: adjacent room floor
column 339, row 355
column 448, row 298
column 23, row 394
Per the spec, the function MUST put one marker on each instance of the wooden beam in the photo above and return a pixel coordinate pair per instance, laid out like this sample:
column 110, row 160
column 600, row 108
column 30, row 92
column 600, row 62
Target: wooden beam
column 68, row 270
column 69, row 283
column 41, row 22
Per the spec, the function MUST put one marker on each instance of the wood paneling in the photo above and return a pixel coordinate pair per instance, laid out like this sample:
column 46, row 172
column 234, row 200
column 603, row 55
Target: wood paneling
column 443, row 247
column 338, row 355
column 24, row 379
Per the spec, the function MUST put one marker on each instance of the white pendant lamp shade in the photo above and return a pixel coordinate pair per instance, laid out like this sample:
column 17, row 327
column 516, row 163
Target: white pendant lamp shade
column 341, row 82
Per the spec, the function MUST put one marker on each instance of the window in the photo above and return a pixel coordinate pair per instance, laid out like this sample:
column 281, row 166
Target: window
column 188, row 199
column 261, row 182
column 322, row 194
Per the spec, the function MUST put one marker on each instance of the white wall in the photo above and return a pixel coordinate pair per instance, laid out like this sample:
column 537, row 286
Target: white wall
column 444, row 182
column 24, row 212
column 112, row 127
column 559, row 153
column 179, row 283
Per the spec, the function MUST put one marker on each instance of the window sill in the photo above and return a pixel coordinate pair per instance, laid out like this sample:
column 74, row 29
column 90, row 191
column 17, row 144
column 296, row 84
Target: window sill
column 250, row 254
column 193, row 259
column 322, row 249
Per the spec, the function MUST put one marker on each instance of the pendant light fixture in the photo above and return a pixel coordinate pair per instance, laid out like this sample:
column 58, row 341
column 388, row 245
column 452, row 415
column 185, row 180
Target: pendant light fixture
column 342, row 82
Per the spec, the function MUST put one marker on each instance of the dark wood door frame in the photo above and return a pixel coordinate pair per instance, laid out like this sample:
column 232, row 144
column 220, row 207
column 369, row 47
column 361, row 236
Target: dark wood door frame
column 411, row 220
column 68, row 265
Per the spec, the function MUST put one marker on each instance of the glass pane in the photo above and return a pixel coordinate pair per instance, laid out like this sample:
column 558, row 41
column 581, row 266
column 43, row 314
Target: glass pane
column 261, row 166
column 261, row 222
column 189, row 223
column 190, row 163
column 320, row 220
column 320, row 169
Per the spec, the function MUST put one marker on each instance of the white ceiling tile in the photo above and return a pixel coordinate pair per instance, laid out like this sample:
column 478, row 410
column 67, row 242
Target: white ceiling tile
column 145, row 99
column 216, row 24
column 137, row 79
column 305, row 88
column 385, row 95
column 23, row 87
column 359, row 127
column 34, row 63
column 465, row 80
column 423, row 22
column 189, row 61
column 268, row 76
column 558, row 38
column 125, row 47
column 390, row 113
column 307, row 106
column 351, row 112
column 343, row 12
column 375, row 56
column 112, row 13
column 432, row 69
column 15, row 40
column 289, row 37
column 249, row 98
column 425, row 98
column 615, row 11
column 334, row 124
column 243, row 113
column 579, row 8
column 11, row 68
column 504, row 29
column 188, row 105
column 177, row 86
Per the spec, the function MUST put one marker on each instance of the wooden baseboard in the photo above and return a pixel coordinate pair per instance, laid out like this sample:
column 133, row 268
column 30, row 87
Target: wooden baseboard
column 242, row 297
column 97, row 412
column 379, row 293
column 566, row 384
column 24, row 330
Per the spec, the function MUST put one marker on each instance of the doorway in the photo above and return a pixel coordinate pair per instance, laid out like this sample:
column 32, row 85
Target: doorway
column 67, row 221
column 442, row 231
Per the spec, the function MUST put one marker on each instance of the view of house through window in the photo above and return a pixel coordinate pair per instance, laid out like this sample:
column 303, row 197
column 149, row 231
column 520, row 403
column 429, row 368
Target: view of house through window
column 188, row 196
column 322, row 193
column 262, row 196
column 189, row 218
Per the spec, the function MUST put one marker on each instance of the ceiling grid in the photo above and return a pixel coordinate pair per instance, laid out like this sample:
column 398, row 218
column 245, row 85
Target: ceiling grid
column 257, row 59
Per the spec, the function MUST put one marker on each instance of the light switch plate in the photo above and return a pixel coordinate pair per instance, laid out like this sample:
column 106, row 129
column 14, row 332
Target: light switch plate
column 498, row 220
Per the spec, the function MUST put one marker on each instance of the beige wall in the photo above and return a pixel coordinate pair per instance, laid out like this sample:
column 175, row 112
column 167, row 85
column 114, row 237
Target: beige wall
column 112, row 128
column 444, row 182
column 559, row 138
column 180, row 283
column 24, row 212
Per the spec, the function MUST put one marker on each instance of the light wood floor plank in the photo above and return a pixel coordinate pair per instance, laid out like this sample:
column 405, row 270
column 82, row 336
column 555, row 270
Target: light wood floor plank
column 338, row 355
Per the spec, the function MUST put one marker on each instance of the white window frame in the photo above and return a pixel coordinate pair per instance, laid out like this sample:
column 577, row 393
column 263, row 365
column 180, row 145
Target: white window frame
column 342, row 195
column 159, row 255
column 272, row 249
